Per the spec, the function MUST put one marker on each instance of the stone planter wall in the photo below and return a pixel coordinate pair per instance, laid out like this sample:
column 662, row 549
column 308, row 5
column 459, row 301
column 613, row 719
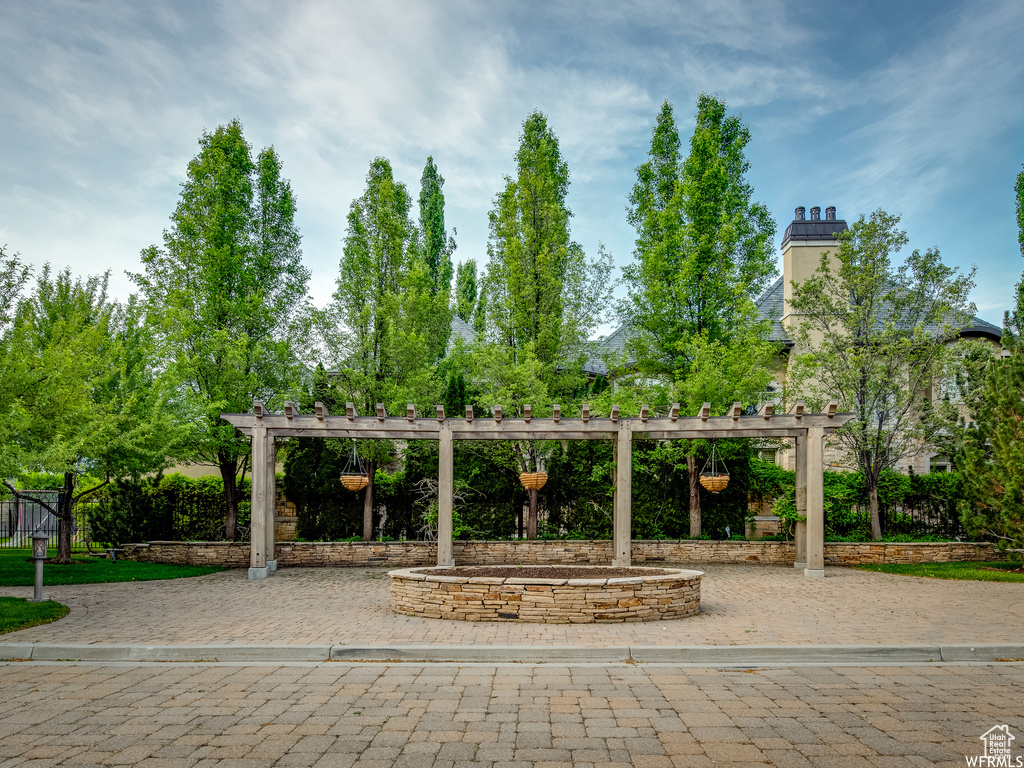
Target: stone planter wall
column 433, row 594
column 408, row 554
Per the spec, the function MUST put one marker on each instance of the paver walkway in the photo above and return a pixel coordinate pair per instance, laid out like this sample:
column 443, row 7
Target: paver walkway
column 745, row 605
column 336, row 715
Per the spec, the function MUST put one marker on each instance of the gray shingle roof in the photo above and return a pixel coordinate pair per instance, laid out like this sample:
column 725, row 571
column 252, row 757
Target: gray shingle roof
column 462, row 330
column 611, row 347
column 769, row 306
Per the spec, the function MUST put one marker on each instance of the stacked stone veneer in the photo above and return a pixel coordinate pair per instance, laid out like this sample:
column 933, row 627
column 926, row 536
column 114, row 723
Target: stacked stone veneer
column 673, row 594
column 286, row 518
column 408, row 554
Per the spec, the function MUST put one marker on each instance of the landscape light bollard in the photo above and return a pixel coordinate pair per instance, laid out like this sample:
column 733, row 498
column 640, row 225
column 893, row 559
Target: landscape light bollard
column 39, row 555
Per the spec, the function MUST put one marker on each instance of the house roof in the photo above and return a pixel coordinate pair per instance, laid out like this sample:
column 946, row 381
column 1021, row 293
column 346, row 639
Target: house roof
column 611, row 347
column 462, row 330
column 769, row 306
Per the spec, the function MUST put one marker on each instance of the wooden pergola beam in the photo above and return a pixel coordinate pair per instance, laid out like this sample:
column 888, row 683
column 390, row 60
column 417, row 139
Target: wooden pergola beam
column 401, row 427
column 808, row 429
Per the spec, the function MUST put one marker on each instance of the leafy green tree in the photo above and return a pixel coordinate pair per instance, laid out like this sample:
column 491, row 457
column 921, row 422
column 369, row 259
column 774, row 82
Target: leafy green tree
column 703, row 252
column 877, row 338
column 541, row 289
column 465, row 290
column 86, row 398
column 14, row 275
column 992, row 461
column 223, row 292
column 437, row 248
column 15, row 370
column 703, row 248
column 385, row 303
column 480, row 312
column 543, row 297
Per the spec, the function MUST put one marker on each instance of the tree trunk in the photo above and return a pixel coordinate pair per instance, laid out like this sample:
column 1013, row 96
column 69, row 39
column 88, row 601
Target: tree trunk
column 694, row 473
column 65, row 519
column 228, row 473
column 876, row 522
column 371, row 468
column 531, row 521
column 519, row 519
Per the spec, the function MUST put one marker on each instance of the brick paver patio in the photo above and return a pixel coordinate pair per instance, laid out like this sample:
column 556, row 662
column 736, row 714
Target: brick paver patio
column 337, row 715
column 745, row 605
column 373, row 715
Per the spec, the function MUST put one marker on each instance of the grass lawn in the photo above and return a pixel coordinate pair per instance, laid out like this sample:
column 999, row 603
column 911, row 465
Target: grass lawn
column 962, row 571
column 16, row 570
column 18, row 613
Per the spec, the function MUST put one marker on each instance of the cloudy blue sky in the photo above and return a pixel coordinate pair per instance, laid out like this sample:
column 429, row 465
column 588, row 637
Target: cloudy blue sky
column 914, row 106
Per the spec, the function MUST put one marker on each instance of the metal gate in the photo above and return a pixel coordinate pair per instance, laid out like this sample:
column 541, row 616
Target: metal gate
column 22, row 517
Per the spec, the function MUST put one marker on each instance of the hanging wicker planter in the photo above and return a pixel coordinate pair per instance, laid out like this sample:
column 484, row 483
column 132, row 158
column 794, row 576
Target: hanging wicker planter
column 354, row 477
column 355, row 482
column 533, row 480
column 713, row 478
column 714, row 483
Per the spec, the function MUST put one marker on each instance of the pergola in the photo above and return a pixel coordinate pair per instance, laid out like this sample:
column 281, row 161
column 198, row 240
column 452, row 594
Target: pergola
column 807, row 429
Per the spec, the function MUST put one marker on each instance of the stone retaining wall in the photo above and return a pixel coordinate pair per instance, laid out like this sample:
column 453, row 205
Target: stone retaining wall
column 433, row 594
column 408, row 554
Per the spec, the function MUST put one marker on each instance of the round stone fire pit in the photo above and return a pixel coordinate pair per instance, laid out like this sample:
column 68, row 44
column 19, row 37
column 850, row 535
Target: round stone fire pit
column 550, row 594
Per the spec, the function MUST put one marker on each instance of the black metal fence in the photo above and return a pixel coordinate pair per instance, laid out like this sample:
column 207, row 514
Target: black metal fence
column 24, row 516
column 933, row 520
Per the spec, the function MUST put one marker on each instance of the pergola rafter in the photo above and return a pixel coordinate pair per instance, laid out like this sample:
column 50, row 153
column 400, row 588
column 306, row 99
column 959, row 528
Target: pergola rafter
column 808, row 430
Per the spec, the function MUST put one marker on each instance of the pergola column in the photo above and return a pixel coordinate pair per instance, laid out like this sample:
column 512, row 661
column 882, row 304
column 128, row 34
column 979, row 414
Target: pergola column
column 258, row 507
column 815, row 503
column 271, row 499
column 623, row 517
column 800, row 449
column 445, row 492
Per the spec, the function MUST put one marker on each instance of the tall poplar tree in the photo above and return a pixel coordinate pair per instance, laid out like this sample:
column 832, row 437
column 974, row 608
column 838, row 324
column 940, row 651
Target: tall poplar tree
column 465, row 290
column 386, row 304
column 223, row 291
column 437, row 248
column 703, row 253
column 543, row 297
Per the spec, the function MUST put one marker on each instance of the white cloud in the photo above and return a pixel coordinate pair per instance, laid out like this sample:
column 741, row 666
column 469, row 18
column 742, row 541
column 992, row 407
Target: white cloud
column 105, row 101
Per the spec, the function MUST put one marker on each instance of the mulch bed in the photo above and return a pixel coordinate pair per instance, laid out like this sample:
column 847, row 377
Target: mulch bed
column 546, row 572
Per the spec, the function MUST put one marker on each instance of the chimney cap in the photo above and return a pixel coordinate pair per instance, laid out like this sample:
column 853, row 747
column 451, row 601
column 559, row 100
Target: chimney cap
column 814, row 229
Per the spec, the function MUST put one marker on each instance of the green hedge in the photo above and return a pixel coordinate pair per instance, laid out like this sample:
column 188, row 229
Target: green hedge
column 168, row 507
column 578, row 497
column 910, row 506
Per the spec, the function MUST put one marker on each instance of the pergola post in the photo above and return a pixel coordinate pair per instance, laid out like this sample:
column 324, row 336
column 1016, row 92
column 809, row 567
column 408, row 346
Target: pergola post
column 800, row 449
column 815, row 504
column 622, row 521
column 258, row 511
column 270, row 503
column 445, row 491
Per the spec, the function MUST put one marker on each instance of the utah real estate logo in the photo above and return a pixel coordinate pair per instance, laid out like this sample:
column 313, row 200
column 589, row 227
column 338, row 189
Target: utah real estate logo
column 997, row 741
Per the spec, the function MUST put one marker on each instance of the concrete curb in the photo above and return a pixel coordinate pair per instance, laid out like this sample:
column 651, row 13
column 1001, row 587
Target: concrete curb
column 983, row 652
column 526, row 654
column 711, row 655
column 254, row 653
column 787, row 654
